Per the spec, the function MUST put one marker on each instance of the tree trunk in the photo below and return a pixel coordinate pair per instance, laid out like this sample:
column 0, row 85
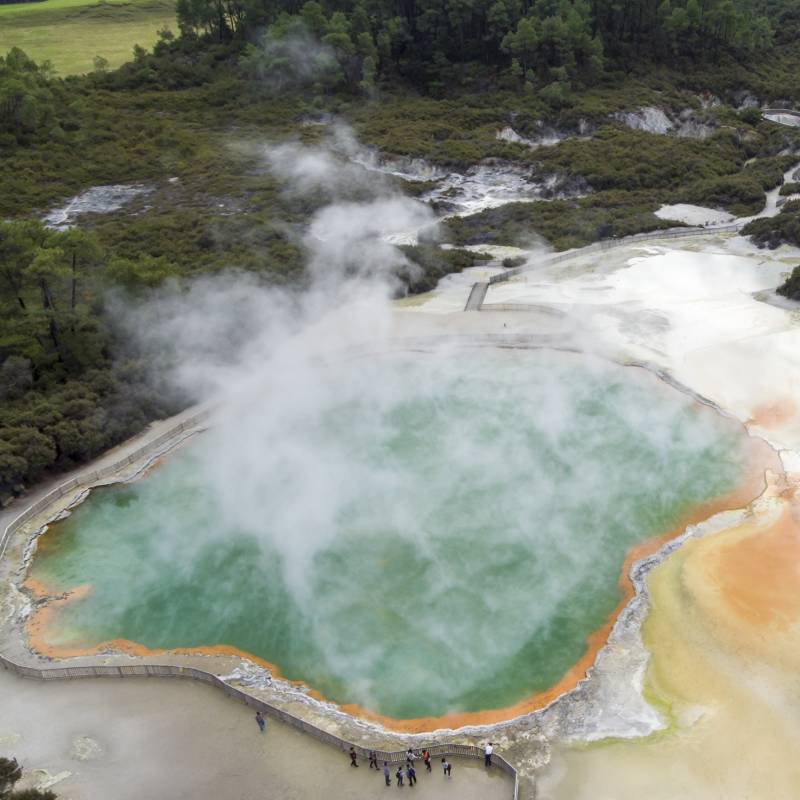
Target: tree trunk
column 47, row 298
column 54, row 338
column 74, row 281
column 16, row 288
column 47, row 304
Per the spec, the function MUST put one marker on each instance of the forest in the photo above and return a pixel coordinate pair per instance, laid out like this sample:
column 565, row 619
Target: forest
column 545, row 44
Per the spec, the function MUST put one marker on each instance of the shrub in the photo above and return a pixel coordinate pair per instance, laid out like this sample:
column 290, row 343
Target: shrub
column 791, row 286
column 563, row 223
column 432, row 264
column 750, row 116
column 739, row 194
column 10, row 773
column 769, row 171
column 771, row 232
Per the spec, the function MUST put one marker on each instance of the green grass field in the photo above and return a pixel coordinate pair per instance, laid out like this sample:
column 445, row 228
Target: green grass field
column 70, row 33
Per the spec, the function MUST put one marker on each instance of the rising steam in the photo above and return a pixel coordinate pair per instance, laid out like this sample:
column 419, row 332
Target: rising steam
column 437, row 531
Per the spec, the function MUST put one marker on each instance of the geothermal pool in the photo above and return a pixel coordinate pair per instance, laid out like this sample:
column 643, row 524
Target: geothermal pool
column 417, row 534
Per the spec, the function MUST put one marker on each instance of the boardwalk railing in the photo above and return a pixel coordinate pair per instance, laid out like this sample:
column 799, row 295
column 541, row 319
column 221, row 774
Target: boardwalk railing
column 608, row 244
column 478, row 292
column 792, row 112
column 172, row 671
column 154, row 447
column 87, row 479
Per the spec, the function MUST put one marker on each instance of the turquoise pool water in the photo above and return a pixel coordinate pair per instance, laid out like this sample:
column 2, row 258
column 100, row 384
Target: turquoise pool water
column 418, row 534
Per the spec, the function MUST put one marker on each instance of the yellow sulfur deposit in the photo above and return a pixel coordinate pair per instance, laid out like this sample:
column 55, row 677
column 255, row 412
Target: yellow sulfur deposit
column 725, row 642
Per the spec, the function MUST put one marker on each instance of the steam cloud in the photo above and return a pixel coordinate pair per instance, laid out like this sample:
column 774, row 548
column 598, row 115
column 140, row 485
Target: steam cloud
column 292, row 460
column 295, row 59
column 221, row 331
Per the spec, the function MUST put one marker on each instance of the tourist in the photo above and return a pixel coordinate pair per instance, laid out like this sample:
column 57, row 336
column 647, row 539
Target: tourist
column 353, row 762
column 446, row 767
column 487, row 754
column 399, row 776
column 260, row 721
column 410, row 755
column 411, row 774
column 387, row 775
column 426, row 759
column 373, row 759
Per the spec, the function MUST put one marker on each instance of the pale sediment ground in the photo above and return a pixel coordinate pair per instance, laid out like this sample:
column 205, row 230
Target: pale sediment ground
column 151, row 738
column 696, row 309
column 96, row 200
column 724, row 635
column 694, row 215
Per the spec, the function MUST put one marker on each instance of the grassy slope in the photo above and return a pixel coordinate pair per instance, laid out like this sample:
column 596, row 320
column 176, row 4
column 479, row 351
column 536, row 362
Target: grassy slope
column 70, row 33
column 39, row 6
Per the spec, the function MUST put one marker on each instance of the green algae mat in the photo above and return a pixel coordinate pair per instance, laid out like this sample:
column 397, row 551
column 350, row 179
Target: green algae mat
column 416, row 534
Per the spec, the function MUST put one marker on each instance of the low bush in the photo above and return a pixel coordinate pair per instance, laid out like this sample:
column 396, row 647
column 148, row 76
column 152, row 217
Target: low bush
column 771, row 232
column 769, row 171
column 433, row 264
column 562, row 223
column 10, row 774
column 739, row 194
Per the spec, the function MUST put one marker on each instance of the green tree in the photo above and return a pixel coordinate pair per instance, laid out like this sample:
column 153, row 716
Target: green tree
column 45, row 288
column 13, row 469
column 314, row 18
column 82, row 252
column 16, row 377
column 37, row 449
column 27, row 104
column 11, row 772
column 369, row 70
column 524, row 42
column 100, row 64
column 138, row 275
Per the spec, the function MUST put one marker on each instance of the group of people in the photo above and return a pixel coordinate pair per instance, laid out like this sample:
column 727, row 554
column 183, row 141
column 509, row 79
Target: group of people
column 407, row 775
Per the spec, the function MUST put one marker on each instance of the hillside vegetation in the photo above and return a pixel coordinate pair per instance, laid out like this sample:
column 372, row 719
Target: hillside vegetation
column 438, row 81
